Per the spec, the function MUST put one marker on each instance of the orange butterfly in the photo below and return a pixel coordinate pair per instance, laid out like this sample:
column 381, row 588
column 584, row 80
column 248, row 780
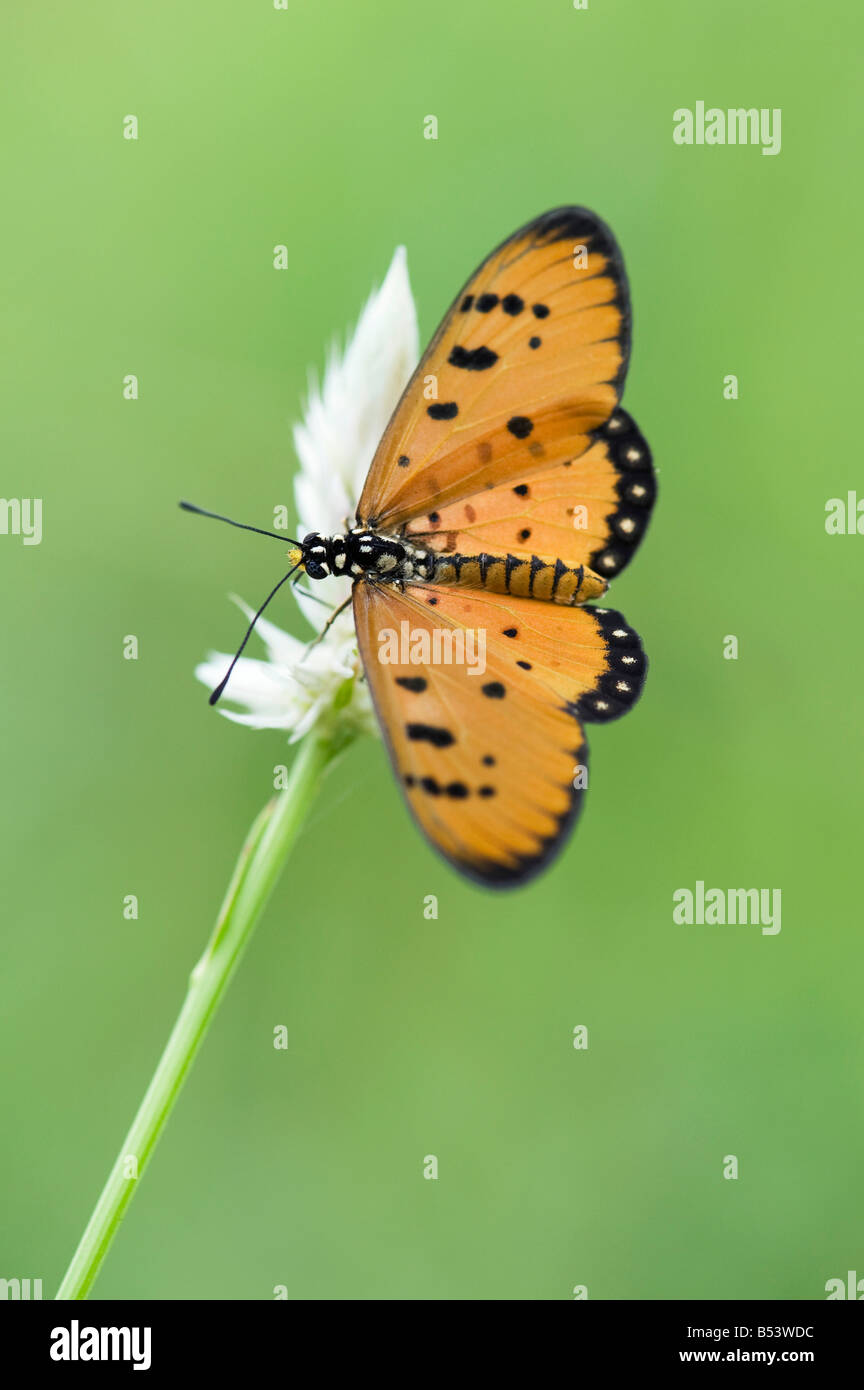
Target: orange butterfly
column 491, row 514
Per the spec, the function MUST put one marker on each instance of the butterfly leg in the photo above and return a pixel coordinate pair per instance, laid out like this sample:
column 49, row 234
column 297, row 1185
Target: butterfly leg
column 307, row 593
column 327, row 626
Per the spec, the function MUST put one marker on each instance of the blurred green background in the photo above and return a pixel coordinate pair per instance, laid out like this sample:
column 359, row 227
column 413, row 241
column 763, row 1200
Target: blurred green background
column 409, row 1037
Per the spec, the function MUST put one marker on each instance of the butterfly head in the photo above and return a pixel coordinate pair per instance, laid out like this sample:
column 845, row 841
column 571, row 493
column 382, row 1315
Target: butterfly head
column 313, row 551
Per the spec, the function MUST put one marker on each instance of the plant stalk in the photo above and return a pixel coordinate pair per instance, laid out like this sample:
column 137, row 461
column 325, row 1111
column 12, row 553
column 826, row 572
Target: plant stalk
column 261, row 860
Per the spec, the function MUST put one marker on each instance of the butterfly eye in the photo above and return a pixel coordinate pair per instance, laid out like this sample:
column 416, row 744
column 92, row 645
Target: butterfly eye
column 314, row 570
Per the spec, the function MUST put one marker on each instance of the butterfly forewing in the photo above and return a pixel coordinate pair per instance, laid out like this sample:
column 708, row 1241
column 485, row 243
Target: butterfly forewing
column 492, row 761
column 528, row 362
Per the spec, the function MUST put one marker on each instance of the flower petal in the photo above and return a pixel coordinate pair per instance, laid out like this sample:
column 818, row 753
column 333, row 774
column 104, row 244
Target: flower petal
column 347, row 416
column 297, row 685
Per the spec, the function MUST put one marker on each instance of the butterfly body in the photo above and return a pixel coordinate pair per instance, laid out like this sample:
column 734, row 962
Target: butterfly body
column 366, row 554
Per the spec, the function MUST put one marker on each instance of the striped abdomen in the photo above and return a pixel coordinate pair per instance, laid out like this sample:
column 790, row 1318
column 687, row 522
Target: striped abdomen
column 552, row 581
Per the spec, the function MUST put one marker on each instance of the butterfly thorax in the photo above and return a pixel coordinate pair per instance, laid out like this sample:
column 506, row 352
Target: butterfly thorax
column 365, row 553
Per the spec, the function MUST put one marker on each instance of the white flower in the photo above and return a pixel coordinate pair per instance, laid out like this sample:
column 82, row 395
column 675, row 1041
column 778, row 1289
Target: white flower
column 295, row 688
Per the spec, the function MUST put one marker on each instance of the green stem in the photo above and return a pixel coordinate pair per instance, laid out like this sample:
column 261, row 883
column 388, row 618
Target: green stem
column 255, row 875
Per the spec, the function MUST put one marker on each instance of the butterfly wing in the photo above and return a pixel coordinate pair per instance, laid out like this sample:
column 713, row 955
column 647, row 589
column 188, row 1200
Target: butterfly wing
column 487, row 761
column 591, row 511
column 529, row 360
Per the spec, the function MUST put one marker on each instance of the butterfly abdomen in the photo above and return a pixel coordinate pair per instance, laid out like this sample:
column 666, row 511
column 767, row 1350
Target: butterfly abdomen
column 550, row 581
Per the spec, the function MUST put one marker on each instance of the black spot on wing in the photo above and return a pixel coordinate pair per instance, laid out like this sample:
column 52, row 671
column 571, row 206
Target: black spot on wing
column 512, row 304
column 457, row 791
column 442, row 410
column 486, row 302
column 493, row 690
column 430, row 733
column 478, row 359
column 520, row 426
column 417, row 684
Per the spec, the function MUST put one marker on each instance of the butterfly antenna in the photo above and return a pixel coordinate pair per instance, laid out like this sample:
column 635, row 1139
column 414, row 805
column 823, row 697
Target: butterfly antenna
column 222, row 684
column 201, row 511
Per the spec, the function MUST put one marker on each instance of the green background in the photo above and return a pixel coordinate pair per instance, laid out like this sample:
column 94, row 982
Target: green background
column 410, row 1037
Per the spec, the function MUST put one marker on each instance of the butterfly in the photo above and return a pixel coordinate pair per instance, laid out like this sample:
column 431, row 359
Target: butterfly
column 508, row 489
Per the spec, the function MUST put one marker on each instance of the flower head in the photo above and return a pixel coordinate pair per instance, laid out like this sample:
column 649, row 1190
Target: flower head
column 298, row 686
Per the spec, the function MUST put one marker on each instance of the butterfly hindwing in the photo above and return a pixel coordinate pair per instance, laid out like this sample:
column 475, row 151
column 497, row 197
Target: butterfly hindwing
column 492, row 762
column 590, row 511
column 528, row 362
